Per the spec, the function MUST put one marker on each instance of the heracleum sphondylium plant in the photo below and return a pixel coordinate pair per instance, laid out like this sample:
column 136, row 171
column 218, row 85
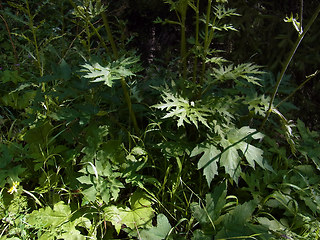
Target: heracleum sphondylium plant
column 194, row 167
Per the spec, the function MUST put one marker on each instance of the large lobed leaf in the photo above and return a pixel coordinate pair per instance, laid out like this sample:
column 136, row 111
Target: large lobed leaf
column 113, row 71
column 187, row 112
column 158, row 232
column 138, row 215
column 229, row 157
column 58, row 222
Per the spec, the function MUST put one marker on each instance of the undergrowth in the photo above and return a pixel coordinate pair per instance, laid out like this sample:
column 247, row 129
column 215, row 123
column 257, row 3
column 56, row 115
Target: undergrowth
column 96, row 144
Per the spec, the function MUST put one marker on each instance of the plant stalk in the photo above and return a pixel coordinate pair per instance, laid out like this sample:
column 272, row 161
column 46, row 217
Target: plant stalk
column 123, row 82
column 195, row 65
column 183, row 47
column 287, row 62
column 34, row 34
column 298, row 88
column 91, row 25
column 110, row 37
column 206, row 39
column 12, row 44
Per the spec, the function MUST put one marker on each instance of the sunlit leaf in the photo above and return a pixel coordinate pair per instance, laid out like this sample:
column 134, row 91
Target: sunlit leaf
column 139, row 214
column 208, row 161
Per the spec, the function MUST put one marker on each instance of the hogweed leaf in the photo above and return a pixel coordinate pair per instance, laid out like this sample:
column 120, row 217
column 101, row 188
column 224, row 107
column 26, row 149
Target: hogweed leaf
column 223, row 27
column 139, row 214
column 221, row 12
column 47, row 217
column 217, row 60
column 235, row 140
column 258, row 104
column 98, row 73
column 181, row 108
column 246, row 71
column 113, row 71
column 158, row 232
column 208, row 161
column 230, row 160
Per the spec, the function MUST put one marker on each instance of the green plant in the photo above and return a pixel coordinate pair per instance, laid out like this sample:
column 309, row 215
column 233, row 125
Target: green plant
column 97, row 147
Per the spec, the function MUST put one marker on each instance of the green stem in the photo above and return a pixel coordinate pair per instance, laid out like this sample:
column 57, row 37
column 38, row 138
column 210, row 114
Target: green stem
column 287, row 62
column 298, row 88
column 12, row 44
column 206, row 39
column 301, row 15
column 88, row 38
column 123, row 82
column 110, row 37
column 183, row 47
column 91, row 25
column 195, row 65
column 128, row 100
column 34, row 35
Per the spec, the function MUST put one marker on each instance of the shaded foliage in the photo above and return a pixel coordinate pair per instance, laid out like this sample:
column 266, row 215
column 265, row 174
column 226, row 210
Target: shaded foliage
column 148, row 120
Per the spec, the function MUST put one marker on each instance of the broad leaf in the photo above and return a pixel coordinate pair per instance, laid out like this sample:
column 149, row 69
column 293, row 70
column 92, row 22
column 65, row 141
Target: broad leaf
column 187, row 112
column 214, row 203
column 56, row 223
column 139, row 214
column 159, row 232
column 309, row 145
column 47, row 217
column 208, row 161
column 237, row 225
column 229, row 158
